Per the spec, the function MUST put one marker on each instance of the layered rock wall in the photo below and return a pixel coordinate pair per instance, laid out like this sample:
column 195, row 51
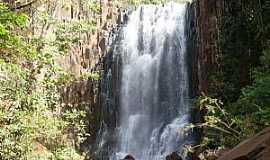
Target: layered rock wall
column 205, row 32
column 87, row 56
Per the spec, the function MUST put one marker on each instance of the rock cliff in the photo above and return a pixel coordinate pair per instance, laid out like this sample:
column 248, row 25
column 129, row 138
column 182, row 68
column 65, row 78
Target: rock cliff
column 88, row 55
column 204, row 34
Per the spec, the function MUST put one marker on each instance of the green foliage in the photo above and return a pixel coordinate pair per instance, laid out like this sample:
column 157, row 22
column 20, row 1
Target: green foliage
column 33, row 124
column 91, row 76
column 219, row 126
column 65, row 78
column 95, row 7
column 229, row 124
column 9, row 20
column 68, row 33
column 253, row 106
column 10, row 23
column 244, row 32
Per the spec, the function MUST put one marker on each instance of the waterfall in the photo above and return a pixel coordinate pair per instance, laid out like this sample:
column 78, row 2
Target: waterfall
column 154, row 91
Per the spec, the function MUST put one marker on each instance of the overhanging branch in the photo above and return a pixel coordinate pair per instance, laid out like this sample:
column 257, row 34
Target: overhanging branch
column 24, row 5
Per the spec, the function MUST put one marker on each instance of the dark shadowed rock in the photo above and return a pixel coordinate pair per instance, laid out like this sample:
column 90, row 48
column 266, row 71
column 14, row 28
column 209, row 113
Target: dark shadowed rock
column 129, row 157
column 173, row 156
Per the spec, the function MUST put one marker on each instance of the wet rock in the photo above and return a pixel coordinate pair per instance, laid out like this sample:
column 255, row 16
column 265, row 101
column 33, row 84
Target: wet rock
column 129, row 157
column 173, row 156
column 204, row 47
column 102, row 45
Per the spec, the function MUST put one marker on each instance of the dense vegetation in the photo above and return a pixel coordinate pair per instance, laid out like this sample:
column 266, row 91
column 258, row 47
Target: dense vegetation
column 240, row 87
column 33, row 122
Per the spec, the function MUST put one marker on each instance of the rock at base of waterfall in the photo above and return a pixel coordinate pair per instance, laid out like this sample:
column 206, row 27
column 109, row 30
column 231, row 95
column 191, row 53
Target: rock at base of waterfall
column 256, row 147
column 129, row 157
column 173, row 156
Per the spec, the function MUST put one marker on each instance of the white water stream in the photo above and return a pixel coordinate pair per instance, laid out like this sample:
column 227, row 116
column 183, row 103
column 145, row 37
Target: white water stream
column 154, row 86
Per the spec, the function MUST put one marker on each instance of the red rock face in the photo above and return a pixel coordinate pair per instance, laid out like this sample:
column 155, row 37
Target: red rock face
column 87, row 55
column 254, row 148
column 206, row 17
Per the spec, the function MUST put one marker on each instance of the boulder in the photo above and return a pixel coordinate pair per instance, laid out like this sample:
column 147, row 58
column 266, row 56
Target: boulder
column 173, row 156
column 254, row 148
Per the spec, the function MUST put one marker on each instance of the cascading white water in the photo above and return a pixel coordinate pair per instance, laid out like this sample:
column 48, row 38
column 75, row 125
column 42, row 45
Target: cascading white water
column 154, row 87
